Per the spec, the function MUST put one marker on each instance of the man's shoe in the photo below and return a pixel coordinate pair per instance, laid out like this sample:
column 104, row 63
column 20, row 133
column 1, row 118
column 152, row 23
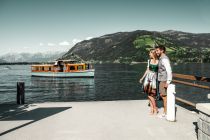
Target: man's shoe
column 163, row 116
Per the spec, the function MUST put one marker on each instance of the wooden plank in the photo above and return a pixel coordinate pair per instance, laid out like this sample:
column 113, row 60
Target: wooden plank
column 185, row 101
column 191, row 77
column 191, row 84
column 183, row 76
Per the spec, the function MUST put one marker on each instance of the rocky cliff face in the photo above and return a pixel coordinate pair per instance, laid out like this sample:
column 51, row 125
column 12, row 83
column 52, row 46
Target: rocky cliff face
column 118, row 46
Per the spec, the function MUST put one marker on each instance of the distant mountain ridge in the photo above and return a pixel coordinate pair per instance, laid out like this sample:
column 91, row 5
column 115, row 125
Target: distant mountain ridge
column 121, row 45
column 31, row 57
column 2, row 61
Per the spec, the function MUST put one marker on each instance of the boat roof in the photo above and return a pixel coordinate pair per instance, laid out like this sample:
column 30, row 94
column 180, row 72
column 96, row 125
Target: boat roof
column 49, row 65
column 69, row 60
column 42, row 65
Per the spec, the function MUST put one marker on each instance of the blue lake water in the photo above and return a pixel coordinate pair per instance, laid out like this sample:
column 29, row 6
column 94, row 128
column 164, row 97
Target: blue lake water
column 111, row 82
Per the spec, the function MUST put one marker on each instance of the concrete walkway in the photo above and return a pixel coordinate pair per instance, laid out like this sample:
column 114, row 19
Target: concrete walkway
column 106, row 120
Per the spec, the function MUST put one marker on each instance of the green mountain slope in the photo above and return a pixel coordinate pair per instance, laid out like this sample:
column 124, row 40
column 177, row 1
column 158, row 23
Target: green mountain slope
column 134, row 46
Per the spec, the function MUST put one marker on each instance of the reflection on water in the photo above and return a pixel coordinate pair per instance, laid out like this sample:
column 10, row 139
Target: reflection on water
column 63, row 89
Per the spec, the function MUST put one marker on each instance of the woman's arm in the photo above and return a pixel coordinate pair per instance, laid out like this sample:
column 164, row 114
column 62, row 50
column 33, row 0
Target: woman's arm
column 145, row 73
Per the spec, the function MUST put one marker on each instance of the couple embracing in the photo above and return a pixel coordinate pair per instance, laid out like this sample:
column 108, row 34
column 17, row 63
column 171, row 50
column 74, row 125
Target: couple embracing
column 157, row 77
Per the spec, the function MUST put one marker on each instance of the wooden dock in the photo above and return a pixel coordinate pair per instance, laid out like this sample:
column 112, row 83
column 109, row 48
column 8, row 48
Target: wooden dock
column 101, row 120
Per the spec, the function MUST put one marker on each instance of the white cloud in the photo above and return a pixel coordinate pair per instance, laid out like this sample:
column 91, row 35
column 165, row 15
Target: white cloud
column 41, row 44
column 50, row 44
column 75, row 41
column 25, row 48
column 64, row 43
column 88, row 38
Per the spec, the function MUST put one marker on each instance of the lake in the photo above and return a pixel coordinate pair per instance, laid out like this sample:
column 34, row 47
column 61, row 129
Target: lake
column 111, row 82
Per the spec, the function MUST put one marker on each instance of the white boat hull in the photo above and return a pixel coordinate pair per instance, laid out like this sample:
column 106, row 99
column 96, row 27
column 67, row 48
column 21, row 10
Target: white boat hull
column 86, row 73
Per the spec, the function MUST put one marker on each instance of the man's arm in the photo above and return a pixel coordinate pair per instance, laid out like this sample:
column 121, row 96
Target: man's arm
column 167, row 65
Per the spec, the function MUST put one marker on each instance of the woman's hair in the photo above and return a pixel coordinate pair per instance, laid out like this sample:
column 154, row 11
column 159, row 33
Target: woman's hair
column 154, row 53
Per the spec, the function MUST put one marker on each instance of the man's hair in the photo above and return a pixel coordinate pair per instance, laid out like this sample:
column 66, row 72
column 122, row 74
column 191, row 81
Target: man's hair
column 161, row 47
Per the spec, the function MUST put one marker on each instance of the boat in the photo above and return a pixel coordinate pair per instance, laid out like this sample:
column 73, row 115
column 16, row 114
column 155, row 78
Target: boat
column 63, row 68
column 7, row 68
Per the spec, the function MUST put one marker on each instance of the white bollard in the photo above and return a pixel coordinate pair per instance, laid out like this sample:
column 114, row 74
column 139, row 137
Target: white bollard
column 171, row 102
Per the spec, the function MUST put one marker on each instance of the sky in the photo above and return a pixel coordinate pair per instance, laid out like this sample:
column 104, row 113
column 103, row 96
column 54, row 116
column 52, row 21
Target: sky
column 56, row 25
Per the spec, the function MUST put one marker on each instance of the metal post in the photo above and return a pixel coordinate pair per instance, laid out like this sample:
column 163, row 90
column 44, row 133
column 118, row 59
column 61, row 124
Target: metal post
column 20, row 93
column 171, row 103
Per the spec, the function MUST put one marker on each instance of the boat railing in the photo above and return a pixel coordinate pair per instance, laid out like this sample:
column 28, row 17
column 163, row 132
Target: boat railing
column 190, row 80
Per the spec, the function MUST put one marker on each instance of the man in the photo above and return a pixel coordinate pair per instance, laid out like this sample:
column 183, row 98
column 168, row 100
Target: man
column 164, row 75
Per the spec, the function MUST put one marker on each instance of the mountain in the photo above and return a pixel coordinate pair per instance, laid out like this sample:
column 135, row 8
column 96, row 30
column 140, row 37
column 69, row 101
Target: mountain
column 134, row 46
column 30, row 57
column 2, row 61
column 188, row 39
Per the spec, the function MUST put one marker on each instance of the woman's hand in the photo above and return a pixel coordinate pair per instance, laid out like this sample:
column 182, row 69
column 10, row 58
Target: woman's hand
column 140, row 81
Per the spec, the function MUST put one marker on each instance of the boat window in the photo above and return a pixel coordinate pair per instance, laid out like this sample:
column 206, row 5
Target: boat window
column 42, row 68
column 49, row 68
column 87, row 66
column 72, row 68
column 80, row 67
column 34, row 68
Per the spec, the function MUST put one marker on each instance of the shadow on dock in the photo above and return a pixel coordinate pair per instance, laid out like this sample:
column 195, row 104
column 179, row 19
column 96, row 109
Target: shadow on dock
column 196, row 128
column 18, row 113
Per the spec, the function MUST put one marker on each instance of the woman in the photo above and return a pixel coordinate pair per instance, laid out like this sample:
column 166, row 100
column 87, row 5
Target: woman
column 150, row 80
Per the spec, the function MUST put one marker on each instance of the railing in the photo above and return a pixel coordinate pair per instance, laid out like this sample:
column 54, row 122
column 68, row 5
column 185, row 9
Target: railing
column 193, row 80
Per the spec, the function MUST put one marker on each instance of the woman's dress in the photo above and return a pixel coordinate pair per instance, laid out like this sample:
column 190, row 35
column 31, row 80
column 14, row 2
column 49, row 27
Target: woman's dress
column 150, row 81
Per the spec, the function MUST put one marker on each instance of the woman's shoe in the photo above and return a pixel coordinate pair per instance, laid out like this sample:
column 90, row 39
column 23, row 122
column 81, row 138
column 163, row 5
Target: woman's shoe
column 151, row 112
column 156, row 111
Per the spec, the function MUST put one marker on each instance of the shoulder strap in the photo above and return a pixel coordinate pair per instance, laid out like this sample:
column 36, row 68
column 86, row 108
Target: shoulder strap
column 148, row 62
